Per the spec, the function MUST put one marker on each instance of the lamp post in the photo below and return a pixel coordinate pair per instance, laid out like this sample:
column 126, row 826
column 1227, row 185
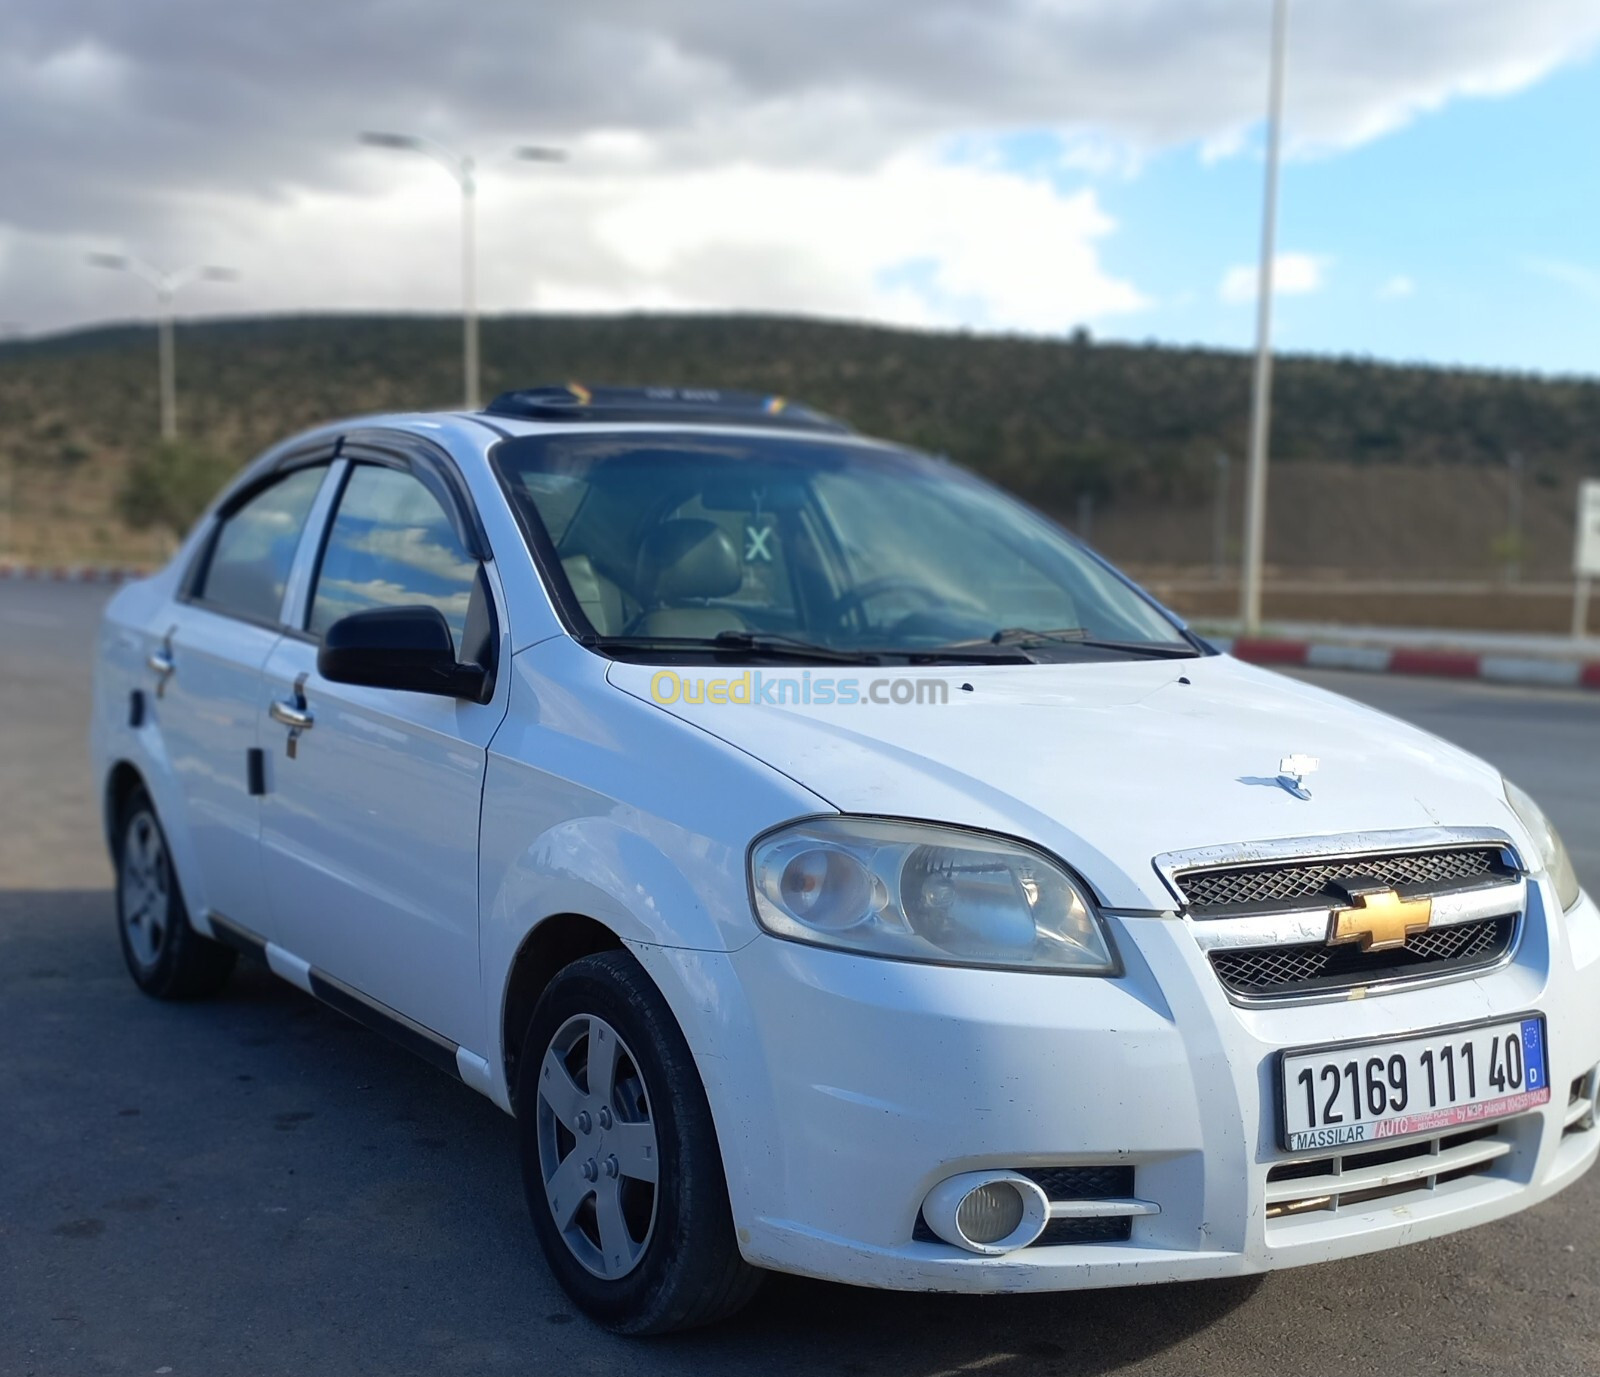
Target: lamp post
column 463, row 168
column 9, row 330
column 166, row 286
column 1255, row 525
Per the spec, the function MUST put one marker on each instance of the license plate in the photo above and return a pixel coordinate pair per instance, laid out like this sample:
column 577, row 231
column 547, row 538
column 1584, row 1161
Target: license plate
column 1366, row 1092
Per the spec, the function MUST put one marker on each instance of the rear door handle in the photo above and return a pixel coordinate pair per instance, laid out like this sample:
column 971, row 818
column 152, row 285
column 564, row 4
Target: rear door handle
column 291, row 714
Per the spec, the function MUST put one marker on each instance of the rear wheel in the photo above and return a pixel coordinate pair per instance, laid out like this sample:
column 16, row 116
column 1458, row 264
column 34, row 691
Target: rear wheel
column 166, row 957
column 619, row 1156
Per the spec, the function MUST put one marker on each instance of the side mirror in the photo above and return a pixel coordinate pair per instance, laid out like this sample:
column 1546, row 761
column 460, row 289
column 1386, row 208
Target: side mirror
column 407, row 648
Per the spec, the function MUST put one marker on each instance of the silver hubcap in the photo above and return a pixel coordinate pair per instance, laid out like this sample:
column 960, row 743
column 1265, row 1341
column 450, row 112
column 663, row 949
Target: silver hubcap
column 597, row 1146
column 144, row 886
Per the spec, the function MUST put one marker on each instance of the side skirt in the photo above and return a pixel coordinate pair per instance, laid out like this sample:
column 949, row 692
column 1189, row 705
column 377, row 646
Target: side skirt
column 380, row 1018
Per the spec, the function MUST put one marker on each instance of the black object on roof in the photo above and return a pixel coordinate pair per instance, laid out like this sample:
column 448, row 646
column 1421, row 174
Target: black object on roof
column 683, row 405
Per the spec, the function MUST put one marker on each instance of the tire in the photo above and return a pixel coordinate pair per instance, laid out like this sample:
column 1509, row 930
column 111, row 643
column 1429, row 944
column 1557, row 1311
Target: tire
column 636, row 1257
column 166, row 957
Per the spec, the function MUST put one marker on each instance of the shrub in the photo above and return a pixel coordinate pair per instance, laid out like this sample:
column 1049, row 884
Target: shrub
column 168, row 485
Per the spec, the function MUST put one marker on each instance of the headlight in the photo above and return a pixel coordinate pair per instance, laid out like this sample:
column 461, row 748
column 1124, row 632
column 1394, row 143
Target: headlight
column 1553, row 858
column 921, row 892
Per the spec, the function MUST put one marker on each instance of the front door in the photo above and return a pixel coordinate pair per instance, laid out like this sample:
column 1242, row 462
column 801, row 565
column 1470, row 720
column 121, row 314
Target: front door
column 369, row 830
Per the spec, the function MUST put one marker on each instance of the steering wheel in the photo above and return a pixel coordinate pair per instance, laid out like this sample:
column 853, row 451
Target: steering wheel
column 854, row 600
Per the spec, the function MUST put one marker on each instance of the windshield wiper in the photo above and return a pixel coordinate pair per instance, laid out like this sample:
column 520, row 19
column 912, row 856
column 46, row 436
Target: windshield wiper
column 769, row 643
column 1022, row 635
column 962, row 653
column 1025, row 638
column 1154, row 650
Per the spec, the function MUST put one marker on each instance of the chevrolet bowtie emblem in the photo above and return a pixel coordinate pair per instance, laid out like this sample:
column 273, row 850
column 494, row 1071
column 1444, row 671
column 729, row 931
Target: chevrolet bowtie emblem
column 1380, row 920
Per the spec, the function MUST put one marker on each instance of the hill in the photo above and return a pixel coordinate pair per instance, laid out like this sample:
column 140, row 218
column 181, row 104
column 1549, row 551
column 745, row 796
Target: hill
column 1378, row 467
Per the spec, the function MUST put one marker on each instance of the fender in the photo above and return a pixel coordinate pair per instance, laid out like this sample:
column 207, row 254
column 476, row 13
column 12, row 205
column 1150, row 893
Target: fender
column 646, row 897
column 598, row 868
column 652, row 845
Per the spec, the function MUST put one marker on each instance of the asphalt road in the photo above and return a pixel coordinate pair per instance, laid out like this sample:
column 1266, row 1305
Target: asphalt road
column 256, row 1185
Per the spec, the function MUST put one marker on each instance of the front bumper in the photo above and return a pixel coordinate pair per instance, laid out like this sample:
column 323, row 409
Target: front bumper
column 845, row 1088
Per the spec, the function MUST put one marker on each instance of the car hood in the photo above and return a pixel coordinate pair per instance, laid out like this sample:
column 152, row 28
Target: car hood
column 1107, row 765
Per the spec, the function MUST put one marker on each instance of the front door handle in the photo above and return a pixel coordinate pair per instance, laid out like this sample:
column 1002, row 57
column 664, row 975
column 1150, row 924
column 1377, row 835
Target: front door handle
column 161, row 664
column 292, row 715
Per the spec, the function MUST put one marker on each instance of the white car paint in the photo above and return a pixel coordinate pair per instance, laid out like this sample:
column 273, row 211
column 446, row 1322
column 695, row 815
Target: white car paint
column 1102, row 764
column 210, row 716
column 376, row 821
column 844, row 1088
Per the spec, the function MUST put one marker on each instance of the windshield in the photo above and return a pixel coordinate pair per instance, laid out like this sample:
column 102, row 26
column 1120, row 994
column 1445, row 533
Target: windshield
column 683, row 540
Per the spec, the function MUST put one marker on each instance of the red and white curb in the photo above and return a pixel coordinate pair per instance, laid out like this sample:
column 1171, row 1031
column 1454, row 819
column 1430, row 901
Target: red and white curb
column 1445, row 664
column 71, row 573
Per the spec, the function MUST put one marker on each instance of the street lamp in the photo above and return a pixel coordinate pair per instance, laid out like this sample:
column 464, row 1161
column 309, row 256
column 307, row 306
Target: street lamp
column 166, row 286
column 1255, row 524
column 463, row 168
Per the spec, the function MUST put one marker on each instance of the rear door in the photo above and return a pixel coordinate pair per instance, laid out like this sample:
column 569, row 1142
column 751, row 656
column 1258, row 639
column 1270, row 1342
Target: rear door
column 206, row 656
column 370, row 824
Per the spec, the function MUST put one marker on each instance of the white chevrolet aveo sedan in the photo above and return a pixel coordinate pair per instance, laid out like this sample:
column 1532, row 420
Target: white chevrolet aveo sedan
column 833, row 866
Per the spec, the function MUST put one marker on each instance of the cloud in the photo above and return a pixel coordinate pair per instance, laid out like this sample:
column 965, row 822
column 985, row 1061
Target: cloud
column 1397, row 287
column 1293, row 274
column 1583, row 280
column 189, row 130
column 915, row 241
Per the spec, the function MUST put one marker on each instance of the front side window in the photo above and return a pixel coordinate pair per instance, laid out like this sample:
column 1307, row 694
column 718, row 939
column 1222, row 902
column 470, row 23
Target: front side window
column 391, row 545
column 255, row 546
column 849, row 546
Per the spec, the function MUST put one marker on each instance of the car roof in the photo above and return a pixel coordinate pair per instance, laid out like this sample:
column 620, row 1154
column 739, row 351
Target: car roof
column 577, row 402
column 573, row 408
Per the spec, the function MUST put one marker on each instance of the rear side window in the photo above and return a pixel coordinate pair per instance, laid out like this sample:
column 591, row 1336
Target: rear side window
column 253, row 549
column 392, row 545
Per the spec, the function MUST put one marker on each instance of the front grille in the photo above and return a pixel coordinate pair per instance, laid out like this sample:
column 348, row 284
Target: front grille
column 1255, row 972
column 1358, row 1178
column 1110, row 1229
column 1310, row 884
column 1082, row 1183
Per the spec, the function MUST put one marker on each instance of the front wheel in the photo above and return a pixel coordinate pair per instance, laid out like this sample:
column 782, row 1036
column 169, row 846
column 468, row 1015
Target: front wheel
column 619, row 1156
column 166, row 957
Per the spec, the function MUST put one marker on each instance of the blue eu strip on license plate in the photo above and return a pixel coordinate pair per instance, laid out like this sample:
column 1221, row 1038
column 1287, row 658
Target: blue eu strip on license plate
column 1533, row 1053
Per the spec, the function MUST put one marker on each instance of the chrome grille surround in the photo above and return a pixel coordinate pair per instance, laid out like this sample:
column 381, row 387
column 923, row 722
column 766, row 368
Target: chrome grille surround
column 1275, row 950
column 1307, row 883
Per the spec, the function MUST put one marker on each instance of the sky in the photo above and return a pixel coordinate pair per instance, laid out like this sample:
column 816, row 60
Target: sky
column 1030, row 166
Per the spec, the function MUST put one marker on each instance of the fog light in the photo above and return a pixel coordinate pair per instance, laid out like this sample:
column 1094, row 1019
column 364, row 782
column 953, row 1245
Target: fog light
column 987, row 1211
column 990, row 1213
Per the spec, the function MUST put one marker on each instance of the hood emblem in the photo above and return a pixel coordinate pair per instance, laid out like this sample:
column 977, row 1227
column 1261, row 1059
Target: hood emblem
column 1292, row 772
